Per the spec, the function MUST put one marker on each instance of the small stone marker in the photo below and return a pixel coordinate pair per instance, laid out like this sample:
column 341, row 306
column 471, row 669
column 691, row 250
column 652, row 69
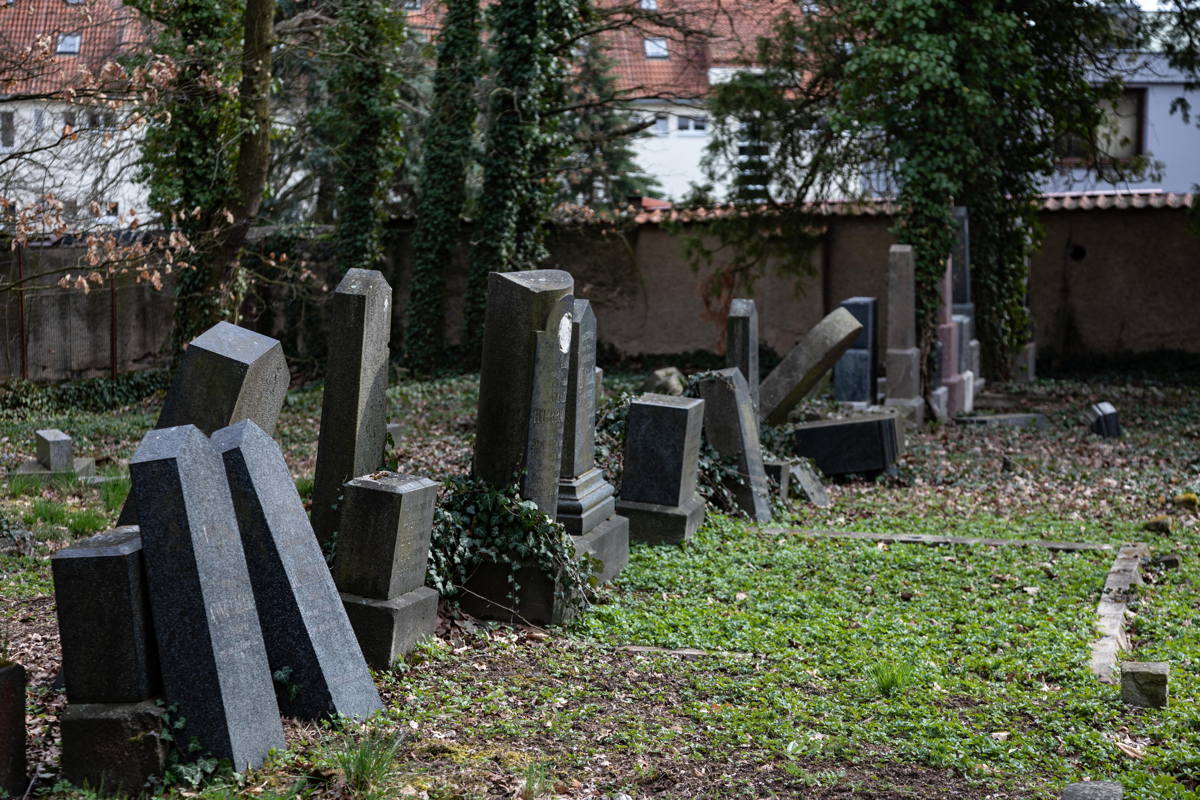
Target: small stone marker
column 662, row 451
column 731, row 428
column 226, row 374
column 780, row 473
column 382, row 554
column 55, row 451
column 113, row 746
column 867, row 445
column 741, row 343
column 854, row 378
column 108, row 650
column 304, row 626
column 808, row 484
column 812, row 357
column 599, row 383
column 586, row 506
column 13, row 781
column 1093, row 790
column 1144, row 683
column 668, row 380
column 210, row 646
column 354, row 407
column 1024, row 368
column 1015, row 420
column 1103, row 419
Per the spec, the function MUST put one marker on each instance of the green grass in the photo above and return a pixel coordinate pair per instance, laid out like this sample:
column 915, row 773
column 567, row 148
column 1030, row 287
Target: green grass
column 46, row 511
column 113, row 494
column 86, row 522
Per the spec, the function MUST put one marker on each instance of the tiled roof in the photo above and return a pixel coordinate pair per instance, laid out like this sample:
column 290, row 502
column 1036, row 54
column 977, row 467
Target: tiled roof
column 29, row 38
column 1143, row 198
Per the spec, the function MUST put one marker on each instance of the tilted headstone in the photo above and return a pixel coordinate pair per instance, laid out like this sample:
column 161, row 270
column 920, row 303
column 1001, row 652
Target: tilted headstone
column 1024, row 369
column 354, row 407
column 13, row 780
column 108, row 650
column 800, row 370
column 226, row 374
column 807, row 482
column 903, row 361
column 866, row 445
column 382, row 555
column 55, row 451
column 308, row 637
column 854, row 373
column 210, row 646
column 741, row 343
column 732, row 430
column 1144, row 683
column 523, row 382
column 667, row 380
column 662, row 451
column 116, row 747
column 1103, row 419
column 586, row 506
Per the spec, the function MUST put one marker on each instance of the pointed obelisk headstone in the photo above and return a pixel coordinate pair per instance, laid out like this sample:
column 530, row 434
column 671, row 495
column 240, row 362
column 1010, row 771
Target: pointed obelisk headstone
column 731, row 428
column 304, row 626
column 354, row 407
column 741, row 343
column 210, row 646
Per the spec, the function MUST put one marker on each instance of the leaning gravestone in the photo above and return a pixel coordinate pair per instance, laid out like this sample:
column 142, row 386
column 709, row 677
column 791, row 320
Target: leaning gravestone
column 56, row 458
column 305, row 629
column 741, row 343
column 731, row 428
column 866, row 445
column 1103, row 419
column 226, row 374
column 210, row 646
column 382, row 554
column 854, row 374
column 586, row 506
column 662, row 451
column 808, row 483
column 354, row 407
column 800, row 370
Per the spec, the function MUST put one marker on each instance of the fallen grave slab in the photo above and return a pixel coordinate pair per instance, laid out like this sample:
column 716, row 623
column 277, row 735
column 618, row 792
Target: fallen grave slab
column 1114, row 601
column 929, row 539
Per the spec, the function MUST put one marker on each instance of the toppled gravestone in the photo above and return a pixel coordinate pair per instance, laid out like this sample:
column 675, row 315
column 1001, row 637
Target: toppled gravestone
column 812, row 357
column 731, row 428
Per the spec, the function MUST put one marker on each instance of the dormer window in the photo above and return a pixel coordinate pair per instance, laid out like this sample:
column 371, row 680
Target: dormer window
column 68, row 43
column 655, row 47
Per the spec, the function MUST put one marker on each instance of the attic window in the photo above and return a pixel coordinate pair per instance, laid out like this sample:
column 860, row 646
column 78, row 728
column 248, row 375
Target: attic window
column 8, row 130
column 412, row 5
column 655, row 47
column 68, row 43
column 75, row 2
column 649, row 5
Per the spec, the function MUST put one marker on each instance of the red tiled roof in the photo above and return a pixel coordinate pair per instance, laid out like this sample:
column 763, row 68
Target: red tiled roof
column 29, row 34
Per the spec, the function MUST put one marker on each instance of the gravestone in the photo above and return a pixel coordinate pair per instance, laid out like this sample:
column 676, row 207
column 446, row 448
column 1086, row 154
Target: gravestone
column 226, row 374
column 354, row 407
column 56, row 458
column 523, row 382
column 1093, row 790
column 13, row 781
column 812, row 357
column 963, row 306
column 780, row 473
column 304, row 627
column 854, row 378
column 116, row 747
column 1103, row 419
column 741, row 343
column 586, row 506
column 1013, row 420
column 108, row 650
column 382, row 555
column 668, row 380
column 662, row 451
column 807, row 483
column 1024, row 368
column 599, row 384
column 866, row 445
column 732, row 430
column 1144, row 683
column 210, row 646
column 948, row 338
column 903, row 361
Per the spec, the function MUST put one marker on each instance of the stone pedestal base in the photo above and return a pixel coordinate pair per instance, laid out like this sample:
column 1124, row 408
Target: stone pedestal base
column 657, row 524
column 955, row 394
column 584, row 502
column 911, row 408
column 608, row 543
column 1024, row 368
column 84, row 468
column 903, row 372
column 968, row 394
column 538, row 600
column 387, row 629
column 113, row 746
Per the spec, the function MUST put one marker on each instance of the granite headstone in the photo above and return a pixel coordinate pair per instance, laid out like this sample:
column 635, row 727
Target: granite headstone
column 741, row 343
column 731, row 428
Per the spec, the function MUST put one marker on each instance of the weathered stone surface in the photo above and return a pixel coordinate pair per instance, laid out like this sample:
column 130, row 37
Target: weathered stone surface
column 901, row 310
column 387, row 629
column 55, row 451
column 866, row 445
column 780, row 473
column 807, row 484
column 812, row 357
column 853, row 379
column 731, row 428
column 523, row 382
column 13, row 781
column 304, row 626
column 741, row 343
column 1103, row 419
column 911, row 408
column 108, row 650
column 1014, row 420
column 210, row 645
column 81, row 467
column 866, row 311
column 963, row 323
column 387, row 521
column 608, row 544
column 654, row 523
column 540, row 600
column 1025, row 364
column 1093, row 790
column 668, row 380
column 579, row 428
column 354, row 407
column 1123, row 576
column 1144, row 683
column 16, row 542
column 662, row 449
column 113, row 746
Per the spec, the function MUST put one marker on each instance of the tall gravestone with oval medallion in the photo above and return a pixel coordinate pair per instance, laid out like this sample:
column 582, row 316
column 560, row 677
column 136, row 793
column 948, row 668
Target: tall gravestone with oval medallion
column 519, row 433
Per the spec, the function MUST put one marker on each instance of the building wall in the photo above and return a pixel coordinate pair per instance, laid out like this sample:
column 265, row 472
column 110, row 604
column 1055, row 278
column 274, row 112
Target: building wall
column 673, row 157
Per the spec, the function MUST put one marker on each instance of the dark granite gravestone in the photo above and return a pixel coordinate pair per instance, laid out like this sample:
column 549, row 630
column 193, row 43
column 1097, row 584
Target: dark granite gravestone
column 801, row 368
column 732, row 430
column 108, row 650
column 662, row 451
column 354, row 407
column 305, row 629
column 865, row 445
column 586, row 506
column 210, row 646
column 523, row 382
column 741, row 343
column 1103, row 419
column 226, row 374
column 115, row 747
column 13, row 780
column 382, row 554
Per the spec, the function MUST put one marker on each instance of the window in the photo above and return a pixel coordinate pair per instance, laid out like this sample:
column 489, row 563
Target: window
column 102, row 120
column 693, row 124
column 662, row 124
column 655, row 47
column 68, row 43
column 75, row 2
column 412, row 5
column 39, row 120
column 649, row 5
column 1120, row 136
column 8, row 129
